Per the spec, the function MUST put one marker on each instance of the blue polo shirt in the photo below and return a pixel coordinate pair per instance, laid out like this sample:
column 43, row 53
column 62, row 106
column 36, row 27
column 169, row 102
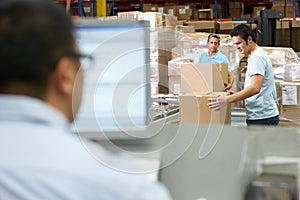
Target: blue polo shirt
column 217, row 58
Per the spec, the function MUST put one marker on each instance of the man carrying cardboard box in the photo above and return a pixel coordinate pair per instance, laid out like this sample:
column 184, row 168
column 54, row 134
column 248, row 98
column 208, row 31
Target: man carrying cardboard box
column 259, row 90
column 213, row 55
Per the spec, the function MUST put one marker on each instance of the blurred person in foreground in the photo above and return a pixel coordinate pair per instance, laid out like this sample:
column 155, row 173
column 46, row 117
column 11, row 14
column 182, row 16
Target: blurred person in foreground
column 214, row 55
column 259, row 90
column 40, row 93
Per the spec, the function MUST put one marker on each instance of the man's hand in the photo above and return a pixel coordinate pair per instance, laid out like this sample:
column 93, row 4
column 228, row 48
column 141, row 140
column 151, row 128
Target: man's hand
column 230, row 92
column 228, row 86
column 216, row 103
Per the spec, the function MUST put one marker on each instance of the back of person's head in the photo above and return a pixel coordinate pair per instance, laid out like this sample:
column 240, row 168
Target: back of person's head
column 244, row 31
column 34, row 35
column 213, row 35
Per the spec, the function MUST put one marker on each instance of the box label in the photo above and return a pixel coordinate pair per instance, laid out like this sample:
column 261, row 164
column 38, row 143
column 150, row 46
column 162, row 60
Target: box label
column 176, row 89
column 182, row 11
column 289, row 95
column 295, row 73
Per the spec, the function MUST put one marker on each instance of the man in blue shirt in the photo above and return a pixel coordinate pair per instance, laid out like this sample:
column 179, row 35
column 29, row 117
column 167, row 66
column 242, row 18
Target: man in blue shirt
column 213, row 55
column 40, row 92
column 259, row 90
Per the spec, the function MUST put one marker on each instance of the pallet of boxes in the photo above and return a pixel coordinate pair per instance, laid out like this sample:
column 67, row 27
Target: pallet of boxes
column 289, row 91
column 286, row 68
column 198, row 83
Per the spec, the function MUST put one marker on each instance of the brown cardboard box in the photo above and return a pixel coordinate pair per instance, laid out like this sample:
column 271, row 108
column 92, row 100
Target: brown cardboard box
column 193, row 11
column 170, row 21
column 183, row 12
column 290, row 101
column 225, row 25
column 174, row 74
column 202, row 24
column 148, row 7
column 197, row 78
column 170, row 10
column 291, row 72
column 278, row 92
column 161, row 9
column 296, row 35
column 288, row 10
column 185, row 29
column 193, row 109
column 87, row 9
column 174, row 84
column 273, row 186
column 256, row 11
column 283, row 34
column 235, row 9
column 174, row 66
column 205, row 14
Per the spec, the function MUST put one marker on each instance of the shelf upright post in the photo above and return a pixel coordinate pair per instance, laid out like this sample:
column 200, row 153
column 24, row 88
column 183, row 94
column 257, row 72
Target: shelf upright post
column 94, row 8
column 101, row 8
column 141, row 5
column 294, row 8
column 216, row 9
column 79, row 8
column 112, row 8
column 224, row 9
column 298, row 8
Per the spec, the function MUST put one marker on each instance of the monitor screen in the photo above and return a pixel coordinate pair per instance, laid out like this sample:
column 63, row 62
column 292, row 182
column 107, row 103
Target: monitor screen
column 116, row 93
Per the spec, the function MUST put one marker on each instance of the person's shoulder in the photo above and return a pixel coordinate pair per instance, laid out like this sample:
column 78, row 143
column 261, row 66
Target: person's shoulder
column 221, row 54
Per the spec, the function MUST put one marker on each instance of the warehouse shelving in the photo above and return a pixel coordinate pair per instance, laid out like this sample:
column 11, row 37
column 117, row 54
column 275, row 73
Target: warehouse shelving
column 137, row 5
column 77, row 5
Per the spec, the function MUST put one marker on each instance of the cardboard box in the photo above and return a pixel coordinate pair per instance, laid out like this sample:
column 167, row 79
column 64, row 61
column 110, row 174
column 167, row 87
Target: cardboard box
column 183, row 12
column 148, row 7
column 87, row 9
column 283, row 34
column 193, row 11
column 170, row 10
column 198, row 78
column 174, row 66
column 202, row 24
column 174, row 84
column 291, row 72
column 193, row 109
column 256, row 11
column 205, row 14
column 273, row 186
column 235, row 9
column 225, row 25
column 185, row 29
column 170, row 21
column 290, row 101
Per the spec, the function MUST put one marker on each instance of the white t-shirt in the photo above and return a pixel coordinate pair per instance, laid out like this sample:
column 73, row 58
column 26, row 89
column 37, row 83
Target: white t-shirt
column 264, row 104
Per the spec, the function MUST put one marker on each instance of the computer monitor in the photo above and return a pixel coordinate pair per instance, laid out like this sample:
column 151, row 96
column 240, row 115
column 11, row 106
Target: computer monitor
column 116, row 94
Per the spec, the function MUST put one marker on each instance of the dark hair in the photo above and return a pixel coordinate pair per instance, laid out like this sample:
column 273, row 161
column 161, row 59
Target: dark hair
column 34, row 35
column 244, row 31
column 213, row 35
